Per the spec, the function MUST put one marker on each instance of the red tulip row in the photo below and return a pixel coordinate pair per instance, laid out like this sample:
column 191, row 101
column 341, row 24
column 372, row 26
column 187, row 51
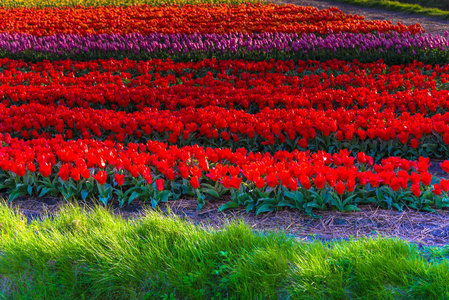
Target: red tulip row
column 203, row 18
column 32, row 120
column 131, row 69
column 305, row 92
column 78, row 159
column 48, row 84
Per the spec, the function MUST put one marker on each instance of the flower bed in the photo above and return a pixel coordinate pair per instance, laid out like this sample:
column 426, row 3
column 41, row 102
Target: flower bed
column 393, row 48
column 201, row 18
column 380, row 110
column 273, row 133
column 153, row 172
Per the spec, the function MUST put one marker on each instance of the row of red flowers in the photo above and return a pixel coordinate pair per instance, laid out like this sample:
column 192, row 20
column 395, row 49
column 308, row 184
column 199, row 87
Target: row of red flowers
column 75, row 160
column 277, row 90
column 131, row 69
column 338, row 85
column 34, row 120
column 202, row 18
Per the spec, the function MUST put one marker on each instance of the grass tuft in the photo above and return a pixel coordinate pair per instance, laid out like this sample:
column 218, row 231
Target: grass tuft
column 400, row 6
column 89, row 253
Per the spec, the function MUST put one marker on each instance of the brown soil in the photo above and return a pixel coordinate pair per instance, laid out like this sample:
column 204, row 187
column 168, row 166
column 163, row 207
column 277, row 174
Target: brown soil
column 430, row 24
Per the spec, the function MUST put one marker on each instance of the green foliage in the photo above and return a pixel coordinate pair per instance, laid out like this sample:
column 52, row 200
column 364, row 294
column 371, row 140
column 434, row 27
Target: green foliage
column 434, row 8
column 390, row 56
column 93, row 254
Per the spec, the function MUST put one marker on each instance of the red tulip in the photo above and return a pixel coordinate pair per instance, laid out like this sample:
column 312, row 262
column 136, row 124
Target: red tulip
column 444, row 185
column 260, row 183
column 320, row 181
column 302, row 143
column 19, row 169
column 362, row 134
column 305, row 182
column 272, row 180
column 340, row 187
column 101, row 177
column 64, row 172
column 394, row 183
column 119, row 178
column 75, row 174
column 374, row 180
column 348, row 161
column 194, row 182
column 426, row 178
column 183, row 170
column 31, row 167
column 148, row 178
column 160, row 184
column 85, row 173
column 445, row 166
column 423, row 164
column 350, row 185
column 415, row 178
column 292, row 184
column 436, row 189
column 416, row 190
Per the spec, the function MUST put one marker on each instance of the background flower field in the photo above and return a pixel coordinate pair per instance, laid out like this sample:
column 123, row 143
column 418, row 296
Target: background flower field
column 124, row 129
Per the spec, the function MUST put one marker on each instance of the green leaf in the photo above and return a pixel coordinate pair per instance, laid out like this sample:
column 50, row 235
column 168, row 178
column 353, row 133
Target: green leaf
column 427, row 208
column 351, row 208
column 313, row 205
column 153, row 202
column 133, row 196
column 241, row 198
column 290, row 195
column 84, row 194
column 43, row 191
column 176, row 196
column 212, row 193
column 413, row 206
column 228, row 205
column 15, row 194
column 207, row 186
column 30, row 189
column 104, row 200
column 348, row 200
column 389, row 192
column 265, row 208
column 398, row 206
column 163, row 196
column 380, row 195
column 250, row 204
column 286, row 203
column 200, row 200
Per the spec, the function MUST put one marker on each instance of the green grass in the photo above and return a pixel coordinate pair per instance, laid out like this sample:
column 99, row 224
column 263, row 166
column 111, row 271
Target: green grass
column 441, row 4
column 401, row 6
column 90, row 254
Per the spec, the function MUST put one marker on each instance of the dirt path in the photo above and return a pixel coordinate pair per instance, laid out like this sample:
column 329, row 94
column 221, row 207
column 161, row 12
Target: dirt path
column 430, row 24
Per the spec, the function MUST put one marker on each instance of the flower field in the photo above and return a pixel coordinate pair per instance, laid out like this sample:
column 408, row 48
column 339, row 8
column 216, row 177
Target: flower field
column 273, row 105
